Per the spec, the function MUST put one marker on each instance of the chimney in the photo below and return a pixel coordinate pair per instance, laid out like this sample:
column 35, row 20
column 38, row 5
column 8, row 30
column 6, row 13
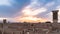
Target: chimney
column 55, row 16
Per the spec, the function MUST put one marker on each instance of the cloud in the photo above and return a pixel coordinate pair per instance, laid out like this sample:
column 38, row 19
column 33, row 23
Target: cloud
column 28, row 11
column 50, row 4
column 7, row 19
column 49, row 16
column 5, row 2
column 33, row 8
column 42, row 8
column 58, row 8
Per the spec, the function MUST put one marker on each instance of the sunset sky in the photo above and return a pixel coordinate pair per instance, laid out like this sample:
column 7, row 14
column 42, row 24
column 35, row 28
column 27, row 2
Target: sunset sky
column 41, row 8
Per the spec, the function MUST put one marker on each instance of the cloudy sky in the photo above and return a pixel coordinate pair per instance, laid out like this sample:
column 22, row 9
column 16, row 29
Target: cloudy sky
column 41, row 8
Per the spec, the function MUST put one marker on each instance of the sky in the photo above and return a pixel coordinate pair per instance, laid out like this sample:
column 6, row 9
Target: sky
column 41, row 8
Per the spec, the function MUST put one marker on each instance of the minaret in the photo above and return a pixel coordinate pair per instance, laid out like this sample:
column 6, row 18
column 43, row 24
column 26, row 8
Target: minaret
column 4, row 21
column 4, row 26
column 55, row 16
